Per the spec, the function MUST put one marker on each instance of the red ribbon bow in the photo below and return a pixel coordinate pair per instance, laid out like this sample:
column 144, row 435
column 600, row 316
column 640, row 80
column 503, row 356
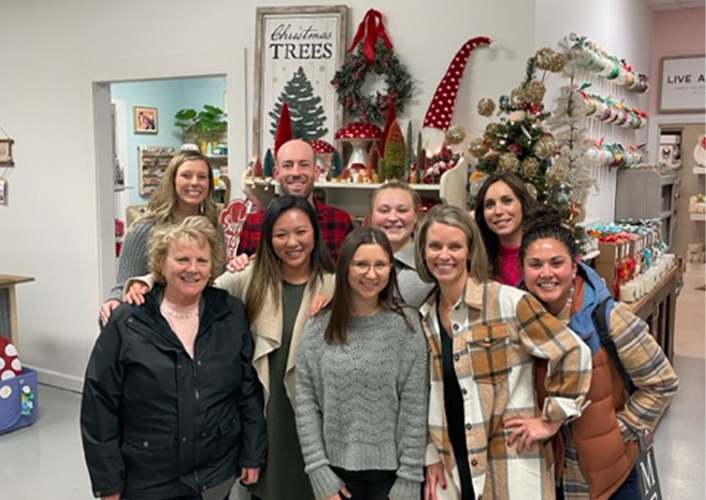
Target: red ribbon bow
column 375, row 29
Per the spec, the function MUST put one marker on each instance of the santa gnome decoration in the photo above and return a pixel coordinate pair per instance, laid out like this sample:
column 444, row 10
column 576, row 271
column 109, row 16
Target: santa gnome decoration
column 441, row 110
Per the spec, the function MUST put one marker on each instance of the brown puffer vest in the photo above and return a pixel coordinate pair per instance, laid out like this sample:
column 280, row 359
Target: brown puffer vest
column 605, row 459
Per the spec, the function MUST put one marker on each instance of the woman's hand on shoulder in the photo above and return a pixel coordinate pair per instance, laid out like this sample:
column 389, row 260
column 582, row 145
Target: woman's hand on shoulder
column 435, row 477
column 529, row 430
column 237, row 263
column 318, row 303
column 136, row 293
column 106, row 310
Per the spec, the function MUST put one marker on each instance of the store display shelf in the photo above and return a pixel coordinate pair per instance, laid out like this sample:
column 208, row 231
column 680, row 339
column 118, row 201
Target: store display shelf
column 217, row 157
column 346, row 185
column 699, row 217
column 699, row 170
column 118, row 189
column 665, row 215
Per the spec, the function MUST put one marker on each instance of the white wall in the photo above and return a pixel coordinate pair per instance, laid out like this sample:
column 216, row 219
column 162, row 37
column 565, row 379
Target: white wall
column 621, row 27
column 57, row 50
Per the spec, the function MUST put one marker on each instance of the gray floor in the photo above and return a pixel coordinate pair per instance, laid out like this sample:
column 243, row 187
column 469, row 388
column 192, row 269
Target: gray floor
column 45, row 461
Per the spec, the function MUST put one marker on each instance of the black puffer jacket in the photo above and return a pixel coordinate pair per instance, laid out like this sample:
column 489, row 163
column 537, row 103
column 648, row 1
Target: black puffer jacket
column 157, row 424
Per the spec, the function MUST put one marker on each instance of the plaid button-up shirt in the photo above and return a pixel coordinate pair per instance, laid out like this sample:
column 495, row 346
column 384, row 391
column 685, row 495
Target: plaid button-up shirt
column 335, row 225
column 497, row 331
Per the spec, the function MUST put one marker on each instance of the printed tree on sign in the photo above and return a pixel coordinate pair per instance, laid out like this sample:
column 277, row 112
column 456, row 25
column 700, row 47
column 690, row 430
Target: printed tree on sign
column 308, row 115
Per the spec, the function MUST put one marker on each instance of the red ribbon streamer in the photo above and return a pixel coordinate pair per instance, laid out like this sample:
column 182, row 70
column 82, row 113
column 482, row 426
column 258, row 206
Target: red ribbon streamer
column 375, row 28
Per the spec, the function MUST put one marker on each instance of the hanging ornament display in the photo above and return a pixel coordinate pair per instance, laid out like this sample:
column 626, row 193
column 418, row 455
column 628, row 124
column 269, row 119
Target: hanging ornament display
column 376, row 54
column 438, row 117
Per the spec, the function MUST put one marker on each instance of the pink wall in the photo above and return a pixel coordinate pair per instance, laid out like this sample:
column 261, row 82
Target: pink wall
column 675, row 33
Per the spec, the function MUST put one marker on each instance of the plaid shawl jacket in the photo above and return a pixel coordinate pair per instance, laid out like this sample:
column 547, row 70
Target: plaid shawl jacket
column 497, row 330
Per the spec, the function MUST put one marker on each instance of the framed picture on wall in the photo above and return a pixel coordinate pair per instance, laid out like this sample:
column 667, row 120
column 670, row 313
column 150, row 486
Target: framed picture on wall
column 6, row 153
column 682, row 84
column 297, row 52
column 145, row 119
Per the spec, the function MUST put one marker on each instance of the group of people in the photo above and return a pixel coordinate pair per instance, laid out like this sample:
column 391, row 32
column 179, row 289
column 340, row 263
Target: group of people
column 422, row 356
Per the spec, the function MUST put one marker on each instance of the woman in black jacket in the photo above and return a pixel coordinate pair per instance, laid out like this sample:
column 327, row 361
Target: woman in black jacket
column 172, row 408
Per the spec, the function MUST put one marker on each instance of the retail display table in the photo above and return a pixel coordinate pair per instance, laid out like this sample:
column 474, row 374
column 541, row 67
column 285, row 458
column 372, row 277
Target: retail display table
column 8, row 306
column 659, row 309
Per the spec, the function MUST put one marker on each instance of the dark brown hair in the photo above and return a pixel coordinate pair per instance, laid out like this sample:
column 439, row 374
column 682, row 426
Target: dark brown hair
column 490, row 239
column 546, row 223
column 340, row 305
column 267, row 274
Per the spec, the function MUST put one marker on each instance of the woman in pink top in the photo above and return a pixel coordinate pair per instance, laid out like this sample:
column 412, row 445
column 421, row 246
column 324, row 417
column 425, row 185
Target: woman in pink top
column 500, row 207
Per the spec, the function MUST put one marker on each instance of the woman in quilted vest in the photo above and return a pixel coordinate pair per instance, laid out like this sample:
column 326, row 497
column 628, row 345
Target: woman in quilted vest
column 600, row 447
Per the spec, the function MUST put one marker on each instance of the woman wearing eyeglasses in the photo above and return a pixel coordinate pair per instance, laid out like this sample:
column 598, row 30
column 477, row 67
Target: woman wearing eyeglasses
column 361, row 394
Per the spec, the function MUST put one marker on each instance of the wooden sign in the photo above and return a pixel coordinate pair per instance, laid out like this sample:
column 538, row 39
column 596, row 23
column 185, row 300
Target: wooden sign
column 682, row 85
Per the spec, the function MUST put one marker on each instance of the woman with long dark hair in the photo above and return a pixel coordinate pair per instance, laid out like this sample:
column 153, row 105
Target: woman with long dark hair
column 361, row 382
column 501, row 205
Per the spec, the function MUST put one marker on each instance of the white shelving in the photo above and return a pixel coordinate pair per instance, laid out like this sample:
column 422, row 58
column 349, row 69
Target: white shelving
column 697, row 216
column 344, row 185
column 699, row 170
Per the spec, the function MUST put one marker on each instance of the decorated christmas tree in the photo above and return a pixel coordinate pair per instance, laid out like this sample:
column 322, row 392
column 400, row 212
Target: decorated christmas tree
column 308, row 116
column 520, row 142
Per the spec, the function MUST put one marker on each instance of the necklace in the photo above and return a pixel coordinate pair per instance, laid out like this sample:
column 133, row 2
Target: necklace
column 174, row 314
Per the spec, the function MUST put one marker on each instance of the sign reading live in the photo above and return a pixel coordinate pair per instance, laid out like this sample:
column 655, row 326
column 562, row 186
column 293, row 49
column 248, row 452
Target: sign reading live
column 683, row 85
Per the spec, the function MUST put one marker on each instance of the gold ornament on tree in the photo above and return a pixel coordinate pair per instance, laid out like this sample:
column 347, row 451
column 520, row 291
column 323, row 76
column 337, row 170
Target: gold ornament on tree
column 456, row 134
column 531, row 189
column 549, row 60
column 508, row 162
column 533, row 92
column 478, row 147
column 545, row 147
column 486, row 107
column 529, row 166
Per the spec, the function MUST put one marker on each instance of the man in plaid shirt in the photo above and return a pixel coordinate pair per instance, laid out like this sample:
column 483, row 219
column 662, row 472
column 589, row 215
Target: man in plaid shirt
column 296, row 171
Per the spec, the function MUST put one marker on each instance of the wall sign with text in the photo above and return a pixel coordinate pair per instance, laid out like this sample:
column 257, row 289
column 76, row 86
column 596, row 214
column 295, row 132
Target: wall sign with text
column 682, row 85
column 297, row 52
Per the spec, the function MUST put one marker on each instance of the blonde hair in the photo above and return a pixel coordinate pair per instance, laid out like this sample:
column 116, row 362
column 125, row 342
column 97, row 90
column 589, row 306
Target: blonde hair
column 395, row 184
column 455, row 217
column 163, row 202
column 194, row 228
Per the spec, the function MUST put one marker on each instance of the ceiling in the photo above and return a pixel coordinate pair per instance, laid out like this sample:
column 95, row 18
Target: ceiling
column 675, row 4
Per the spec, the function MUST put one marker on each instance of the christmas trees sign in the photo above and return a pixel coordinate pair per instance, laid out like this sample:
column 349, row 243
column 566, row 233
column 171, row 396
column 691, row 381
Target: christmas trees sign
column 308, row 116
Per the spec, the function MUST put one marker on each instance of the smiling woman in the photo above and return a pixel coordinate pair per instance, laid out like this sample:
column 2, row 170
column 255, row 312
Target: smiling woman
column 187, row 188
column 500, row 207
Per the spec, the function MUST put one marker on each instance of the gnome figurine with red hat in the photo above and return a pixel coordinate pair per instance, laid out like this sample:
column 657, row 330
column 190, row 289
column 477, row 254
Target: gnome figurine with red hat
column 440, row 112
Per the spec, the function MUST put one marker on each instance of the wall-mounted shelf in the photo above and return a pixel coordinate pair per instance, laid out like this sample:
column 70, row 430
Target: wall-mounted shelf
column 345, row 185
column 590, row 255
column 697, row 216
column 152, row 161
column 699, row 170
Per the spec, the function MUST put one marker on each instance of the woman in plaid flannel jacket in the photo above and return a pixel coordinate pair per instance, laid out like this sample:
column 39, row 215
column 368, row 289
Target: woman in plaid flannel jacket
column 495, row 333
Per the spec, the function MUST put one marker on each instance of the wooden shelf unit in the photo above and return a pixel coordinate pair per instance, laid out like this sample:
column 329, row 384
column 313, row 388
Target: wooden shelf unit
column 152, row 162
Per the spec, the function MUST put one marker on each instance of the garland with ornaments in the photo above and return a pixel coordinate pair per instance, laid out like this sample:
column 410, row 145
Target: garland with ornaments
column 375, row 54
column 583, row 53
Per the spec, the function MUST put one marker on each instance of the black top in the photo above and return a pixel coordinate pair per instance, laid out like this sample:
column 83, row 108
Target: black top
column 455, row 417
column 156, row 423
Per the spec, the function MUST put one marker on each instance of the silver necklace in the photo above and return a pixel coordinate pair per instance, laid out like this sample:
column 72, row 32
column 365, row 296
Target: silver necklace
column 174, row 314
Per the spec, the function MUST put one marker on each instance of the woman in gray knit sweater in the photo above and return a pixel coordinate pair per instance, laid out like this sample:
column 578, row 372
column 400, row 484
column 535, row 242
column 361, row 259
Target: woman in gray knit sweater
column 361, row 391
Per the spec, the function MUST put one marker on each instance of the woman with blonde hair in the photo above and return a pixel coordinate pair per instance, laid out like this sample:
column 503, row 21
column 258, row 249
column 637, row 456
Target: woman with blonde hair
column 291, row 268
column 186, row 189
column 487, row 433
column 394, row 209
column 171, row 406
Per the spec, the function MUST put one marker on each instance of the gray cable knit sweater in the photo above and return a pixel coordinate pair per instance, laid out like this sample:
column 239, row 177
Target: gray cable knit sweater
column 363, row 405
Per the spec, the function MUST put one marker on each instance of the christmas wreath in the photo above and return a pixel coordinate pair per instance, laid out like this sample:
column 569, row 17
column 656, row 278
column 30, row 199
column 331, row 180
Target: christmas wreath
column 350, row 78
